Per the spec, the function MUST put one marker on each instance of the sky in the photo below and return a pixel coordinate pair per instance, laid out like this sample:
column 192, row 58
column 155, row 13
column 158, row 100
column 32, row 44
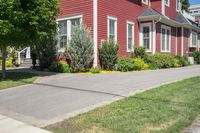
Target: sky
column 192, row 2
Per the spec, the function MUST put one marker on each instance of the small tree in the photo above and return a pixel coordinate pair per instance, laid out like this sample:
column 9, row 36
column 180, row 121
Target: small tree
column 79, row 50
column 108, row 55
column 46, row 52
column 185, row 5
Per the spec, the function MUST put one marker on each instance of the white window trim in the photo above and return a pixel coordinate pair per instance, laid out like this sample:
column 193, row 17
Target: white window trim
column 166, row 28
column 141, row 35
column 146, row 3
column 108, row 25
column 191, row 45
column 133, row 36
column 68, row 19
column 168, row 3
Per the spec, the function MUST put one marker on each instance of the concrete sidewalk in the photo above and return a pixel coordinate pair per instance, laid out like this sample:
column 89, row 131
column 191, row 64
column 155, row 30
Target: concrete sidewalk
column 55, row 98
column 8, row 125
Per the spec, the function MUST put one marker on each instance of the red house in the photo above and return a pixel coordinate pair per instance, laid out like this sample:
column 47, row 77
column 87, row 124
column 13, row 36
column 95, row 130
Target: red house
column 157, row 25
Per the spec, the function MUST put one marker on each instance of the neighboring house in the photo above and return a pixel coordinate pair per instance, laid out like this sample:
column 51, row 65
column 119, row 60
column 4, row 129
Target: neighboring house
column 157, row 25
column 195, row 11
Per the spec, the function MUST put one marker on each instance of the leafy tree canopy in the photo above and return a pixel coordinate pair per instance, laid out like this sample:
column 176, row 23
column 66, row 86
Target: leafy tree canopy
column 185, row 5
column 26, row 21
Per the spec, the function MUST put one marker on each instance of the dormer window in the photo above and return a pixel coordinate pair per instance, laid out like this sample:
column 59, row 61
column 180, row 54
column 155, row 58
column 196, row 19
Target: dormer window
column 178, row 5
column 145, row 2
column 167, row 3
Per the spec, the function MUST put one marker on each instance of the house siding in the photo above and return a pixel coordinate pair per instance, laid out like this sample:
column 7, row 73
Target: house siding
column 82, row 7
column 171, row 10
column 124, row 11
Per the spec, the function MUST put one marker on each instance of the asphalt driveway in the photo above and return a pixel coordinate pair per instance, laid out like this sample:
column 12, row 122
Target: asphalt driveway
column 54, row 98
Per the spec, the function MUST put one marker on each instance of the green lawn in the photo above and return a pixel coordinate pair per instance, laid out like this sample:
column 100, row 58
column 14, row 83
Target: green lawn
column 16, row 79
column 166, row 109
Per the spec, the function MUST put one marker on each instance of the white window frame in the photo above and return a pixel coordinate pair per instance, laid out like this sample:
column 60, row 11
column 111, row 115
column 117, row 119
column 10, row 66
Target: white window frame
column 133, row 35
column 146, row 3
column 167, row 4
column 178, row 5
column 68, row 20
column 191, row 37
column 108, row 25
column 165, row 50
column 150, row 36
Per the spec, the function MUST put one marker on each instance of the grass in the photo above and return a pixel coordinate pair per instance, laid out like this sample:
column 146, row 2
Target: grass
column 166, row 109
column 16, row 79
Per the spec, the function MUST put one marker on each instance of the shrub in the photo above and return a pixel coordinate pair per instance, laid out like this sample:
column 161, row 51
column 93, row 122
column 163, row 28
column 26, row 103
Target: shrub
column 159, row 61
column 60, row 66
column 196, row 55
column 9, row 63
column 125, row 65
column 183, row 61
column 80, row 50
column 140, row 52
column 95, row 70
column 139, row 64
column 45, row 53
column 108, row 55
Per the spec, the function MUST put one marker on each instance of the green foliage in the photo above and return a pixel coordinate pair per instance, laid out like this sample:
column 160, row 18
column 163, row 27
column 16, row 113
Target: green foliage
column 185, row 5
column 183, row 61
column 95, row 70
column 140, row 52
column 46, row 52
column 139, row 64
column 132, row 64
column 158, row 61
column 125, row 64
column 9, row 63
column 80, row 50
column 196, row 55
column 108, row 55
column 60, row 66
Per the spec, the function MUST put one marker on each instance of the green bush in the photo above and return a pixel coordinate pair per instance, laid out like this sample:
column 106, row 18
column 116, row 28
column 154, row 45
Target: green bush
column 108, row 55
column 158, row 61
column 132, row 64
column 139, row 64
column 140, row 52
column 80, row 50
column 196, row 55
column 60, row 66
column 125, row 65
column 95, row 70
column 9, row 63
column 183, row 61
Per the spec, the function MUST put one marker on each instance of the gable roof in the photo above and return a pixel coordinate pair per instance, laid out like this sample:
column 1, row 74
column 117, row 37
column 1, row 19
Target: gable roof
column 149, row 12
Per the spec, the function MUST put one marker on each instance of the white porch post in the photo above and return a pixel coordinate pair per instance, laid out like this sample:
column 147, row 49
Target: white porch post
column 176, row 41
column 182, row 41
column 28, row 53
column 154, row 37
column 95, row 31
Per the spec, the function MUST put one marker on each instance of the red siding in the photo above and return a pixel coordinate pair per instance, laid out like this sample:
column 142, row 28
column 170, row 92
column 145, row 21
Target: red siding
column 82, row 7
column 124, row 11
column 186, row 42
column 179, row 40
column 171, row 10
column 157, row 5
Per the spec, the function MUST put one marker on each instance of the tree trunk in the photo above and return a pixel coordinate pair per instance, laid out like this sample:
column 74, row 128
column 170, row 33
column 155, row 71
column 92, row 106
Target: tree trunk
column 3, row 51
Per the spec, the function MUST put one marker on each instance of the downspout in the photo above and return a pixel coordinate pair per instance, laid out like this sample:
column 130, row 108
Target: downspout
column 182, row 40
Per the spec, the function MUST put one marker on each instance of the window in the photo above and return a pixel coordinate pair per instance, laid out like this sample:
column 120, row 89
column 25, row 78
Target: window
column 193, row 39
column 112, row 29
column 178, row 5
column 167, row 2
column 145, row 36
column 130, row 36
column 65, row 29
column 145, row 2
column 165, row 39
column 62, row 34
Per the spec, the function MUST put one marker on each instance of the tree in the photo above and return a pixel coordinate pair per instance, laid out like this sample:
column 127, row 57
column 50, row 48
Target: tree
column 185, row 5
column 25, row 22
column 80, row 49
